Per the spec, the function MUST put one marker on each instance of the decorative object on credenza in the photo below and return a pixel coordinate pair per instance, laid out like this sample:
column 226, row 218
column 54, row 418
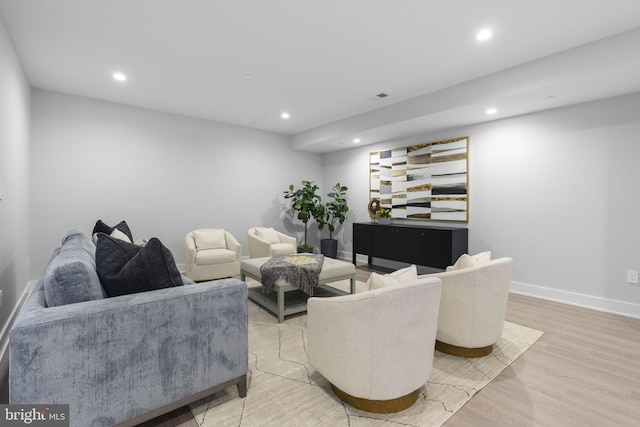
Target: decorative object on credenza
column 308, row 204
column 428, row 181
column 335, row 210
column 374, row 206
column 383, row 216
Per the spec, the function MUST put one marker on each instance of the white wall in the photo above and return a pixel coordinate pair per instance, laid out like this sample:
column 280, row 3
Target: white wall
column 14, row 178
column 164, row 174
column 556, row 190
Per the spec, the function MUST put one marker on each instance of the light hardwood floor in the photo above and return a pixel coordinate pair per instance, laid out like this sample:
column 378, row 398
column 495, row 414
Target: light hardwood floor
column 584, row 371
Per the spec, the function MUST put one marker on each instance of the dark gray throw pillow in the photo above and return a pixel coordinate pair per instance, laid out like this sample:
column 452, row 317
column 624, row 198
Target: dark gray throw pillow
column 122, row 226
column 125, row 268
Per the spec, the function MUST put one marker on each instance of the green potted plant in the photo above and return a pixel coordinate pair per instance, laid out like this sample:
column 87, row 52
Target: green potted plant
column 308, row 204
column 335, row 210
column 384, row 216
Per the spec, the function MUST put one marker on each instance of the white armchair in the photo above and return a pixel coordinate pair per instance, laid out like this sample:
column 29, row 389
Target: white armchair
column 473, row 307
column 211, row 253
column 376, row 347
column 266, row 242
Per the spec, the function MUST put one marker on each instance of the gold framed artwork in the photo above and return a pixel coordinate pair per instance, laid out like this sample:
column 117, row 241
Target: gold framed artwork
column 428, row 181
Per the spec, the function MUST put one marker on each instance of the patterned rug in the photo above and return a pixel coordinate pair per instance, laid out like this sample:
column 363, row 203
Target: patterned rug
column 285, row 391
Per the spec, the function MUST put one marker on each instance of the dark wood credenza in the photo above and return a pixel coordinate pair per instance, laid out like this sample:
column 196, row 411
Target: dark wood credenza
column 436, row 247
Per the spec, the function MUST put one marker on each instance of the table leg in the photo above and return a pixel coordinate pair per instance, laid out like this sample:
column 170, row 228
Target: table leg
column 353, row 285
column 280, row 304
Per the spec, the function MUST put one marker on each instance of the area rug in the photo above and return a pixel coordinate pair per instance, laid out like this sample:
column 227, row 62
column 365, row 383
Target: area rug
column 285, row 391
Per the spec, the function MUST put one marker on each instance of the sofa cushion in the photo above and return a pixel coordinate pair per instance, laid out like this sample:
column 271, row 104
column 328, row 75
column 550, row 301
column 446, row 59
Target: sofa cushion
column 483, row 257
column 120, row 231
column 466, row 261
column 125, row 268
column 71, row 275
column 404, row 275
column 268, row 234
column 210, row 239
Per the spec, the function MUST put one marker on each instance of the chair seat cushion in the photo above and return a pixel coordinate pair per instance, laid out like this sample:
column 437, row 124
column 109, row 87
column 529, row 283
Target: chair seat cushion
column 214, row 256
column 282, row 249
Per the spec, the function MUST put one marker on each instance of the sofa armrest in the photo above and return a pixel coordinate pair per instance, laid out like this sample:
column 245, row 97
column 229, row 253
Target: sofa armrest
column 258, row 248
column 233, row 244
column 286, row 239
column 190, row 249
column 117, row 358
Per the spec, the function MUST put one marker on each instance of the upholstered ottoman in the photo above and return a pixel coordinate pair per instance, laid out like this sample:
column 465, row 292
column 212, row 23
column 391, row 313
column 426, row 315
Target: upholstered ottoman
column 287, row 299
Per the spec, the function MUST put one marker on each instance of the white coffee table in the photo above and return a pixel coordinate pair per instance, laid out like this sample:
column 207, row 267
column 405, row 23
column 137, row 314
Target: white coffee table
column 333, row 270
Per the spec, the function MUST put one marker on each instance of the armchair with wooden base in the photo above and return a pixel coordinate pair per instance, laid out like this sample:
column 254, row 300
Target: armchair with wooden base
column 473, row 306
column 211, row 253
column 267, row 242
column 376, row 347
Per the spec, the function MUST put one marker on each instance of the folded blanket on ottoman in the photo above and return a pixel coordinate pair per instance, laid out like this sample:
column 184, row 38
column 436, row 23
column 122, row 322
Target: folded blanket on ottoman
column 301, row 271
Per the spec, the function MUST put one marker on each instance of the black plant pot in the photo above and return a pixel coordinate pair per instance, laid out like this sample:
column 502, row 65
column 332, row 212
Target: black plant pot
column 329, row 247
column 305, row 250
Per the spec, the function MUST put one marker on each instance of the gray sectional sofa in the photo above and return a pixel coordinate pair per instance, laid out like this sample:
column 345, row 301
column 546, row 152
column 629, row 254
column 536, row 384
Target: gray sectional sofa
column 130, row 358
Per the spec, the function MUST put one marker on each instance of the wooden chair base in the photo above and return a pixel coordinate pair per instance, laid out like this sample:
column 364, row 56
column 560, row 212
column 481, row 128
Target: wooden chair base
column 378, row 406
column 454, row 350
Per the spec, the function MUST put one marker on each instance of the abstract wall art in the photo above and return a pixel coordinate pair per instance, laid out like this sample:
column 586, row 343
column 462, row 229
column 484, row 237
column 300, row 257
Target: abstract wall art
column 426, row 181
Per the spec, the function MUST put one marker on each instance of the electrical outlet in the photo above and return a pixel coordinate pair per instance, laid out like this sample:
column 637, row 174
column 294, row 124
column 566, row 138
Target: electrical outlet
column 632, row 277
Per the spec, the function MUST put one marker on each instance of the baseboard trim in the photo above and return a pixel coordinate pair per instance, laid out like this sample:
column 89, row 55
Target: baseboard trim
column 181, row 268
column 4, row 335
column 621, row 308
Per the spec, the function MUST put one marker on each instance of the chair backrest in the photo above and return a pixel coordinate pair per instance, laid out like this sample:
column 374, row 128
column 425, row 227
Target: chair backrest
column 260, row 244
column 194, row 236
column 258, row 248
column 474, row 303
column 388, row 331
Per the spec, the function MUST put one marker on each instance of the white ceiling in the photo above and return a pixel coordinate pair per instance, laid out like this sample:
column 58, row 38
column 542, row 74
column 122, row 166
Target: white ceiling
column 325, row 60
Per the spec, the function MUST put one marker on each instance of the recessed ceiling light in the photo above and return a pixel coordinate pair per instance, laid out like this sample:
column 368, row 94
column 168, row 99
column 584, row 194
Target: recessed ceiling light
column 550, row 98
column 247, row 75
column 491, row 111
column 119, row 77
column 484, row 35
column 356, row 141
column 285, row 115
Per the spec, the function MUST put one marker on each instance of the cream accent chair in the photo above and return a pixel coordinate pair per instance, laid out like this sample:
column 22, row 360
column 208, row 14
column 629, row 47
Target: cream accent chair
column 211, row 253
column 376, row 347
column 266, row 242
column 473, row 306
